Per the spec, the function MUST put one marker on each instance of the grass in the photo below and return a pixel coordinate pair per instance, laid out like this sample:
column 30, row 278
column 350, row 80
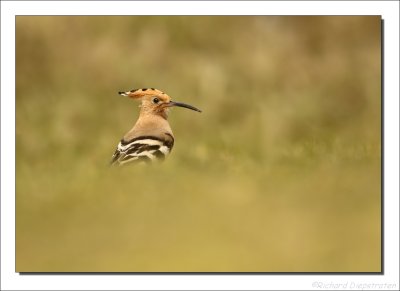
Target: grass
column 279, row 173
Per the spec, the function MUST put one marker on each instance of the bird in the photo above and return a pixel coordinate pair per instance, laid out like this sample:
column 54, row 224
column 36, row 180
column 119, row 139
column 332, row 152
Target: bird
column 151, row 138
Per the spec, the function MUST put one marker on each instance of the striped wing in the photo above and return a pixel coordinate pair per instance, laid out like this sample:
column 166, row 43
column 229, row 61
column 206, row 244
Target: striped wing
column 142, row 149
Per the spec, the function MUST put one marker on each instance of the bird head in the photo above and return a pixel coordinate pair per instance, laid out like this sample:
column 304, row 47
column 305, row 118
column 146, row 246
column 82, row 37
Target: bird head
column 155, row 101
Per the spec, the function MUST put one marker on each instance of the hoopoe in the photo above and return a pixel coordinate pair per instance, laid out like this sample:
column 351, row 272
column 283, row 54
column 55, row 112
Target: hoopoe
column 151, row 137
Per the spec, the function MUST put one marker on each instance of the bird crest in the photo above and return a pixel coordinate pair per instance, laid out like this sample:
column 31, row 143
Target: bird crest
column 140, row 93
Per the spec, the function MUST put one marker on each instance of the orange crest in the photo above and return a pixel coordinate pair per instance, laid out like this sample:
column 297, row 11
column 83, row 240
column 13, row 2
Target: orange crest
column 139, row 93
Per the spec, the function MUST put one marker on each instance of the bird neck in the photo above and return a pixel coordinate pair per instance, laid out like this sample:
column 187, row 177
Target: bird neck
column 149, row 124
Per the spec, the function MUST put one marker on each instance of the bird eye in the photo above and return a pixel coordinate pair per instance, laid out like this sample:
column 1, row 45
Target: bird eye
column 156, row 100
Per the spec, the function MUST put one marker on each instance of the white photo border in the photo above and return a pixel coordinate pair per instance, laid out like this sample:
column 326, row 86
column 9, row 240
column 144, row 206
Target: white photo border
column 389, row 10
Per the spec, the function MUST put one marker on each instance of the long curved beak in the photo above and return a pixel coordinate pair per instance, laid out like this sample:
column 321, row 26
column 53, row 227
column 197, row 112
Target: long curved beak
column 180, row 104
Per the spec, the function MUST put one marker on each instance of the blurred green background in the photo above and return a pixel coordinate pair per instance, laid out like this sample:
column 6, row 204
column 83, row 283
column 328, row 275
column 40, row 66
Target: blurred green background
column 280, row 173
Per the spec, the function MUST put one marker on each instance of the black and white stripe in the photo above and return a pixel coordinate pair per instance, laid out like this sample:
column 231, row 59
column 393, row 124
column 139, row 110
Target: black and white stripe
column 142, row 149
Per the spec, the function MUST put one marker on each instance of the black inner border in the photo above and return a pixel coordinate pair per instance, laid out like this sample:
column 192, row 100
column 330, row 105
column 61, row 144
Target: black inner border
column 251, row 273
